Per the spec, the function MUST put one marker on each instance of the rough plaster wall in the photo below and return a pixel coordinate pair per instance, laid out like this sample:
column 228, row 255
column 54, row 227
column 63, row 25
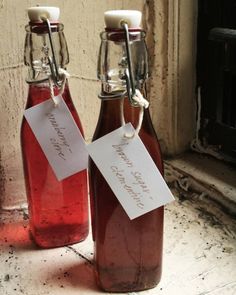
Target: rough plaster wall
column 12, row 98
column 83, row 22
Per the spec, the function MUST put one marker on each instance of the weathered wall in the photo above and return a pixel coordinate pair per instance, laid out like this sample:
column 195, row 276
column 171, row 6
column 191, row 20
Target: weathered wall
column 83, row 22
column 172, row 26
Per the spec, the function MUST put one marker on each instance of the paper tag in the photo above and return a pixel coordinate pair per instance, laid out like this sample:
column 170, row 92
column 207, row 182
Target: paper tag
column 58, row 136
column 130, row 172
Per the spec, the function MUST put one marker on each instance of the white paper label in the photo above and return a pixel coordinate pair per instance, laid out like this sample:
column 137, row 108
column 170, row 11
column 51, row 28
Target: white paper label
column 58, row 136
column 130, row 171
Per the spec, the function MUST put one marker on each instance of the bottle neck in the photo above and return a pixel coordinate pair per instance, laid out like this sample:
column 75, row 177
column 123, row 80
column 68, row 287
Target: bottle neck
column 45, row 51
column 114, row 112
column 110, row 113
column 114, row 64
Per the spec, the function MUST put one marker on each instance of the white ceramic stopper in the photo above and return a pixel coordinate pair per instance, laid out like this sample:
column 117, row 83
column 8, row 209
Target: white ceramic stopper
column 114, row 18
column 38, row 13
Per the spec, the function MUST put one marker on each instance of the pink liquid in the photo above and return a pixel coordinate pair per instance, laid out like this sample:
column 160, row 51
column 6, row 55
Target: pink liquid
column 58, row 210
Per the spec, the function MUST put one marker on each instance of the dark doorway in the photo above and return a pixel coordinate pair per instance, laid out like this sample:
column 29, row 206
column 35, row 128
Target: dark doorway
column 216, row 74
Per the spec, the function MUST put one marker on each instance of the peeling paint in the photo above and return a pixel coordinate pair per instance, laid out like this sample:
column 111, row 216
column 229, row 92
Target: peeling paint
column 187, row 177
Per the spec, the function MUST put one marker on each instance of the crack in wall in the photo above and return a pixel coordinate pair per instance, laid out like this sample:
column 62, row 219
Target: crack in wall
column 2, row 180
column 10, row 67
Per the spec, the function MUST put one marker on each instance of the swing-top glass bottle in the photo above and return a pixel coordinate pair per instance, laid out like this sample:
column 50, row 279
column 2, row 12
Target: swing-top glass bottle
column 128, row 253
column 58, row 210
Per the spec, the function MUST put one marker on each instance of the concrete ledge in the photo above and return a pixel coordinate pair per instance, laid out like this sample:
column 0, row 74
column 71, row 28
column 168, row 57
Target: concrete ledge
column 212, row 178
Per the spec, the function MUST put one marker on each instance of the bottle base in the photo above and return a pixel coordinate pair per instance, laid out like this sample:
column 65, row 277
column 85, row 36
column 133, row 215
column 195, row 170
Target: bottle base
column 59, row 235
column 128, row 280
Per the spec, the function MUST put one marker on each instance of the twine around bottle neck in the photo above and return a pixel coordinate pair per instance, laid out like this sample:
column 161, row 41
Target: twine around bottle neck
column 64, row 75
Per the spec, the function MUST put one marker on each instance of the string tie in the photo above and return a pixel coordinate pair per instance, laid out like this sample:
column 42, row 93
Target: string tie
column 142, row 103
column 64, row 75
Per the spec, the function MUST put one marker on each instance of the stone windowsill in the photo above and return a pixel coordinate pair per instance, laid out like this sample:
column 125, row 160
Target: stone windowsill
column 199, row 256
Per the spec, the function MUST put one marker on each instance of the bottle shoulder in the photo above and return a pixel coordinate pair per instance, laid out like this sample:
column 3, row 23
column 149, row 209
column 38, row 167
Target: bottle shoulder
column 39, row 93
column 110, row 118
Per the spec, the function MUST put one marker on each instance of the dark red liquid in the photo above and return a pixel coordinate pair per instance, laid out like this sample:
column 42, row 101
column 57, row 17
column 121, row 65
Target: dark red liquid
column 128, row 253
column 58, row 210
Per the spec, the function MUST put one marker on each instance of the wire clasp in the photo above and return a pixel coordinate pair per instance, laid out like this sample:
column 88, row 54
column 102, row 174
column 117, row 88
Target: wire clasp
column 129, row 77
column 52, row 60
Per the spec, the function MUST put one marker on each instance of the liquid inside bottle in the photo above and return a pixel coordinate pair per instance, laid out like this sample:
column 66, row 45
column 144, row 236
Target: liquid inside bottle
column 58, row 210
column 128, row 253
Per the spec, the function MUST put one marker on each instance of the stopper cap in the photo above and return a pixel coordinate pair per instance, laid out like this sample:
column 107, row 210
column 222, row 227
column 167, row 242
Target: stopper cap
column 114, row 18
column 38, row 13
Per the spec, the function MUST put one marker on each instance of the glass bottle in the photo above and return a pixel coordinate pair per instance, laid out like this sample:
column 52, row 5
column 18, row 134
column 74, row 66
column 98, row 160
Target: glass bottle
column 58, row 210
column 128, row 253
